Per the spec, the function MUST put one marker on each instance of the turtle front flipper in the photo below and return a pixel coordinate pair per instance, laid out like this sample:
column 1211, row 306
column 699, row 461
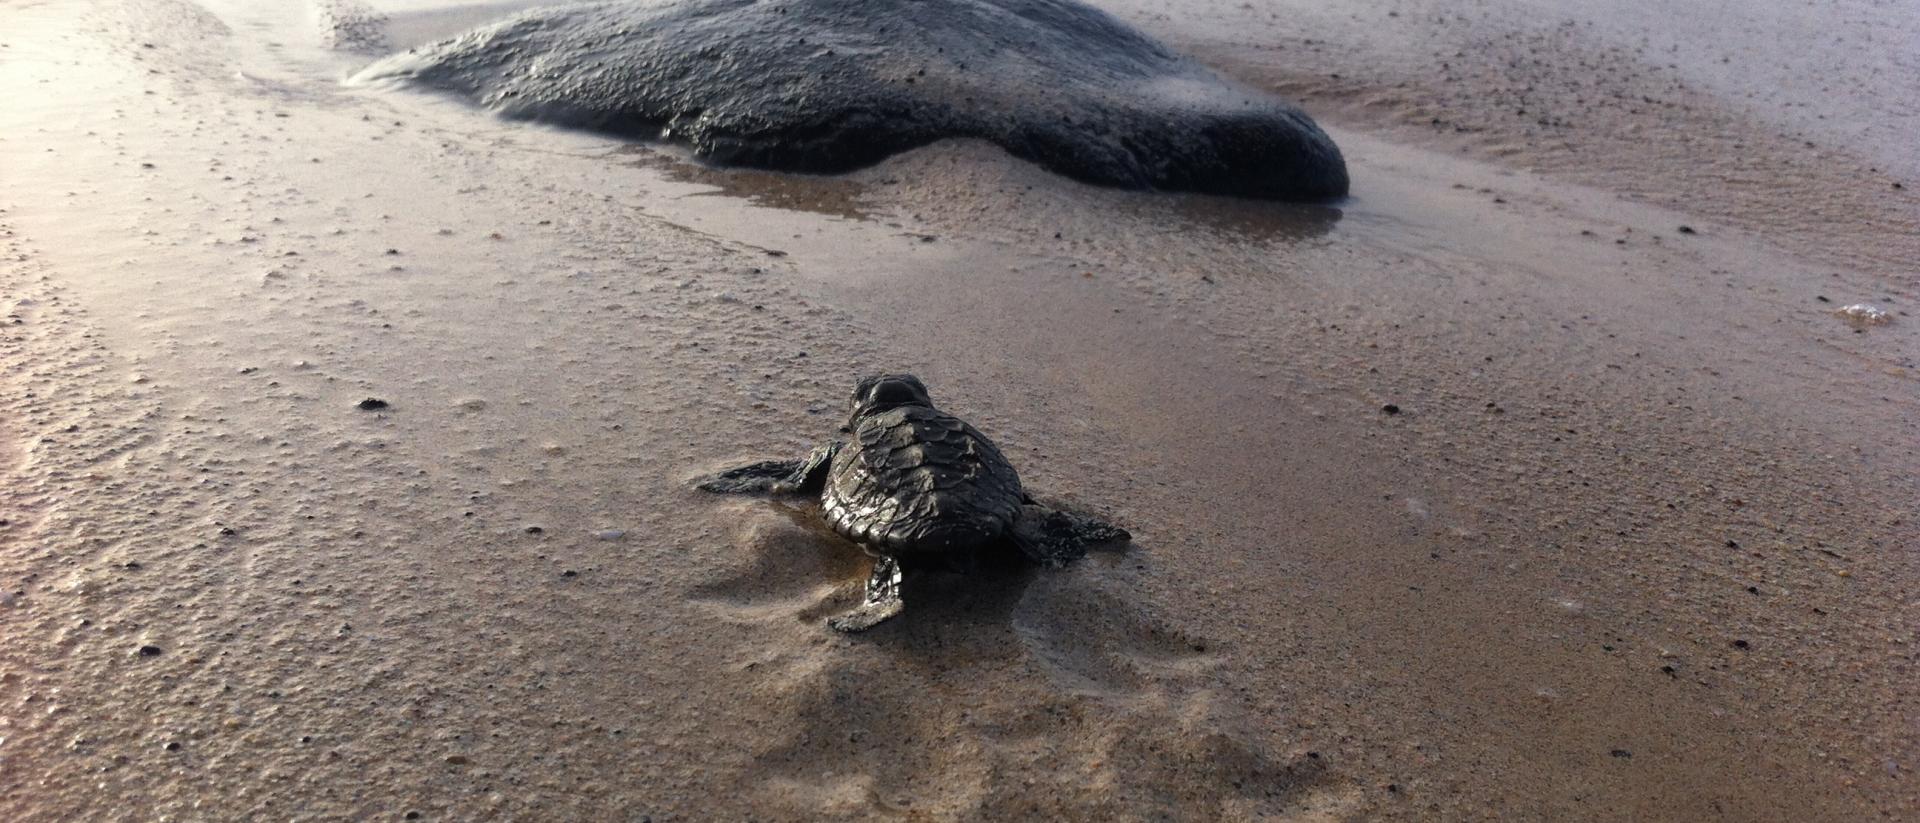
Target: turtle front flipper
column 1053, row 538
column 881, row 602
column 775, row 476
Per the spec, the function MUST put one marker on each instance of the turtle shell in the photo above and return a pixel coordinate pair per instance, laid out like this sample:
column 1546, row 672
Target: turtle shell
column 916, row 480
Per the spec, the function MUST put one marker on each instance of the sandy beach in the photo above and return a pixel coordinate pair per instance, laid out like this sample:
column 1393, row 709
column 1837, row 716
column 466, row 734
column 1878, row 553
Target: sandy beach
column 1542, row 478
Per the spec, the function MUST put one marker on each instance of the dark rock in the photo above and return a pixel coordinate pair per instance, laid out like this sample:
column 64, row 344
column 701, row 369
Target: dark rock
column 1687, row 230
column 1390, row 408
column 834, row 85
column 371, row 404
column 1621, row 753
column 149, row 651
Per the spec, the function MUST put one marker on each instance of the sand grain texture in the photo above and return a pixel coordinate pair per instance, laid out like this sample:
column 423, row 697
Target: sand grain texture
column 1635, row 545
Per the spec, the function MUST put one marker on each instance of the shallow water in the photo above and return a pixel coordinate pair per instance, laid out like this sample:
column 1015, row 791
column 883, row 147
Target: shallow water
column 1615, row 456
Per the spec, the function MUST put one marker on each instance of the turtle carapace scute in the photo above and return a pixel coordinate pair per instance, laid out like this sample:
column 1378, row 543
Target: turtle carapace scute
column 914, row 483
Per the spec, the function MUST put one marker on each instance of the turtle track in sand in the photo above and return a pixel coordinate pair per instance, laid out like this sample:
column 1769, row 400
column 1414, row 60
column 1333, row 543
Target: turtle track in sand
column 834, row 85
column 1103, row 707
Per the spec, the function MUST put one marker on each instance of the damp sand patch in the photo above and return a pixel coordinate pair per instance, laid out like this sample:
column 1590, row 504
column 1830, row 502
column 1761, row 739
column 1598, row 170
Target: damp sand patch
column 835, row 85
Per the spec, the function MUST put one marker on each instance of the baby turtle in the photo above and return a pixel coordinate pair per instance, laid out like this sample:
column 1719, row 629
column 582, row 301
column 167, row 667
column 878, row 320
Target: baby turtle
column 915, row 485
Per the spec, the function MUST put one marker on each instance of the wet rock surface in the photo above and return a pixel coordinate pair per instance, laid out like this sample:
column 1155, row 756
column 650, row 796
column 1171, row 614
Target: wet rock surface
column 833, row 85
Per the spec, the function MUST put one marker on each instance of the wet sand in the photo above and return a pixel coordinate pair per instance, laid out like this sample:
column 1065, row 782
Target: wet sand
column 1636, row 544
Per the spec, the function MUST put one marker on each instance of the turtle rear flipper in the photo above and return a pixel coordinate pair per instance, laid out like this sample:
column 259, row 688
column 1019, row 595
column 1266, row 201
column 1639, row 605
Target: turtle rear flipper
column 881, row 602
column 1053, row 538
column 754, row 478
column 775, row 476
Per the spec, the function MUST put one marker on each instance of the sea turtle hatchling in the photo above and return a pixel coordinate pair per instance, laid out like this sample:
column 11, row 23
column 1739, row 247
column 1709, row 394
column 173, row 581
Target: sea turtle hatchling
column 914, row 484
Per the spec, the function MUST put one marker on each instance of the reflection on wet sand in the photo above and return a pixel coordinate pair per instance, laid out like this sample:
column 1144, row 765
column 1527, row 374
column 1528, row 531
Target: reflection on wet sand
column 1440, row 501
column 1228, row 219
column 830, row 195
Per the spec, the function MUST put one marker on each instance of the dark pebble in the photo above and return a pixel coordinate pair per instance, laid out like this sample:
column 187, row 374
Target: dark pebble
column 1622, row 753
column 569, row 573
column 1390, row 408
column 1822, row 298
column 1687, row 230
column 1668, row 670
column 173, row 746
column 372, row 404
column 534, row 530
column 149, row 651
column 1741, row 644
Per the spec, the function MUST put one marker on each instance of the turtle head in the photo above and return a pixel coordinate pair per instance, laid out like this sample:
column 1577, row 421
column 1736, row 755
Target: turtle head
column 882, row 392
